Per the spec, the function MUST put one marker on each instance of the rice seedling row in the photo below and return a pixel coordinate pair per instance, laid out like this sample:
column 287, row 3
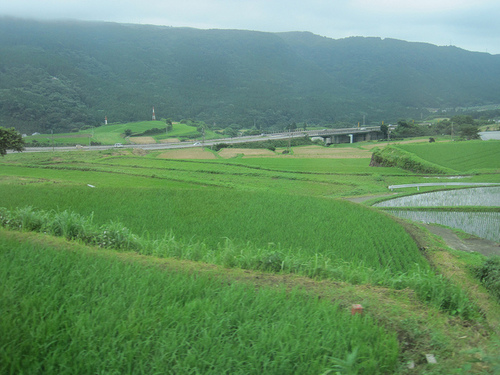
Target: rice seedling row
column 294, row 223
column 114, row 235
column 66, row 312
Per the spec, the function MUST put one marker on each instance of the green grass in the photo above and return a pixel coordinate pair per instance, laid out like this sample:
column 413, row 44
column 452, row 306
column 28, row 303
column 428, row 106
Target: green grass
column 110, row 134
column 70, row 312
column 61, row 139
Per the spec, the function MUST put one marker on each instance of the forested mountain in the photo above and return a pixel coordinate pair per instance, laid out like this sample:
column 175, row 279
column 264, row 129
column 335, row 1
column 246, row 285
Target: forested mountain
column 64, row 75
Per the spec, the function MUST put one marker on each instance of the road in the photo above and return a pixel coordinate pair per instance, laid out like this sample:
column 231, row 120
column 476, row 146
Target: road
column 174, row 145
column 208, row 143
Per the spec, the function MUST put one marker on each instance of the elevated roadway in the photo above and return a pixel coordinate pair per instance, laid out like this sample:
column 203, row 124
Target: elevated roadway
column 329, row 136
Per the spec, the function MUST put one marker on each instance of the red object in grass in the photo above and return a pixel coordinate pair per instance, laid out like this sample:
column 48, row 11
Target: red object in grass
column 356, row 309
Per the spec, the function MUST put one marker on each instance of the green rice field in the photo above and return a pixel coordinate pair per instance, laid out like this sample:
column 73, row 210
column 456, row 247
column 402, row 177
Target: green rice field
column 91, row 292
column 462, row 157
column 76, row 312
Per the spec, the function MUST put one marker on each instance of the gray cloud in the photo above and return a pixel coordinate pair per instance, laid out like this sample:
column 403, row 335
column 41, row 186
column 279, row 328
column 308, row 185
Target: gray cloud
column 467, row 24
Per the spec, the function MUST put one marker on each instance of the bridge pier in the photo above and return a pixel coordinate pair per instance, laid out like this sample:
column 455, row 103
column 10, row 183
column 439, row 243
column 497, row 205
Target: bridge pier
column 350, row 135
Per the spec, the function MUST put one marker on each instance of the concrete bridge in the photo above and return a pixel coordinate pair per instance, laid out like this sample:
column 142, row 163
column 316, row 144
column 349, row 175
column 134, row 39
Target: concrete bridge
column 347, row 135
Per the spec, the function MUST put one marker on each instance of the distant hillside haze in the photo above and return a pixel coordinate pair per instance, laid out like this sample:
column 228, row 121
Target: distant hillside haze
column 64, row 75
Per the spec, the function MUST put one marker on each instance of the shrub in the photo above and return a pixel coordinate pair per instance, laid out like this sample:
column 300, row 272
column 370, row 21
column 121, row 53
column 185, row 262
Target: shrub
column 114, row 235
column 71, row 226
column 489, row 275
column 28, row 220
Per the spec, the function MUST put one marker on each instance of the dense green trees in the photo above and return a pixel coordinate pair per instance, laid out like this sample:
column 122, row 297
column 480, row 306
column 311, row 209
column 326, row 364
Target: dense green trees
column 460, row 127
column 10, row 139
column 384, row 128
column 408, row 128
column 60, row 76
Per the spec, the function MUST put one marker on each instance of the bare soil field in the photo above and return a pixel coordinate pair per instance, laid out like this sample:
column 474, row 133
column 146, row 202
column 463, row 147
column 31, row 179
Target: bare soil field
column 73, row 136
column 383, row 144
column 476, row 244
column 142, row 140
column 330, row 152
column 247, row 152
column 190, row 153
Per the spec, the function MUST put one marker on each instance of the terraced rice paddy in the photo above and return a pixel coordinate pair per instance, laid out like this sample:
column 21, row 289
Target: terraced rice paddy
column 482, row 224
column 483, row 196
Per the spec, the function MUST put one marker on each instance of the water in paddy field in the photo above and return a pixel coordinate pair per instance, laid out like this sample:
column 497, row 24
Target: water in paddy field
column 486, row 136
column 482, row 224
column 484, row 196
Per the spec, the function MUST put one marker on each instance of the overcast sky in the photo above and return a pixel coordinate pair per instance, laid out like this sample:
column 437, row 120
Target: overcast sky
column 470, row 24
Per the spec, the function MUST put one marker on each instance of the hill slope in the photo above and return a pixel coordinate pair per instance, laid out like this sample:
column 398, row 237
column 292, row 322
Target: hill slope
column 63, row 75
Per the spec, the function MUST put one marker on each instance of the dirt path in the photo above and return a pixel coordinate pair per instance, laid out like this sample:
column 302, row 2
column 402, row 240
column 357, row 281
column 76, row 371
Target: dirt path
column 479, row 245
column 365, row 198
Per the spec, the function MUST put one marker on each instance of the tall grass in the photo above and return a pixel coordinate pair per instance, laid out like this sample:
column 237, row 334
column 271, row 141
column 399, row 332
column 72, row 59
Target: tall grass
column 70, row 313
column 71, row 226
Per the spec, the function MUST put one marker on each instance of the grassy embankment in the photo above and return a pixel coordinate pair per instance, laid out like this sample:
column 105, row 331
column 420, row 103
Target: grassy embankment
column 269, row 214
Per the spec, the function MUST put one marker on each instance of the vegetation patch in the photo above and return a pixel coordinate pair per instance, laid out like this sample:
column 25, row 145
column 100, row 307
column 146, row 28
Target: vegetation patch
column 233, row 152
column 489, row 275
column 271, row 144
column 142, row 140
column 392, row 156
column 187, row 153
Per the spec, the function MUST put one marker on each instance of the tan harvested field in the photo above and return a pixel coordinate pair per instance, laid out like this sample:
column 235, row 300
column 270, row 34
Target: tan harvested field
column 73, row 136
column 189, row 153
column 330, row 152
column 170, row 140
column 142, row 140
column 369, row 146
column 247, row 152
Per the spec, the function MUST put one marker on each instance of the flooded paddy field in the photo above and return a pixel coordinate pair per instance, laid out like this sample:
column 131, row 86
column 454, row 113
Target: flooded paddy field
column 479, row 223
column 481, row 196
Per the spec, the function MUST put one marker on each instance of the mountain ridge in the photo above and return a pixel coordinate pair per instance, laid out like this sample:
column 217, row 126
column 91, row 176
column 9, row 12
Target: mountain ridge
column 61, row 75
